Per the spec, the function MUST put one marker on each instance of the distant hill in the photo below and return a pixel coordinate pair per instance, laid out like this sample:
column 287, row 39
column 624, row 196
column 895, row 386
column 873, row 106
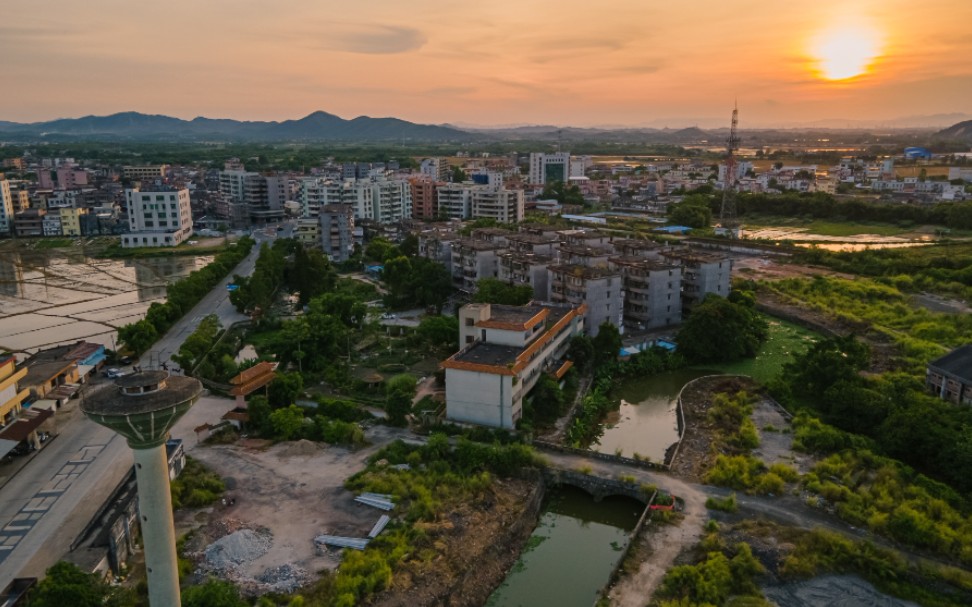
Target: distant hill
column 319, row 126
column 962, row 130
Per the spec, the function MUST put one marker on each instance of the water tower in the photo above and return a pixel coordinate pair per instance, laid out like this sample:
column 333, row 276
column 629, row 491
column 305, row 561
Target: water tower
column 143, row 407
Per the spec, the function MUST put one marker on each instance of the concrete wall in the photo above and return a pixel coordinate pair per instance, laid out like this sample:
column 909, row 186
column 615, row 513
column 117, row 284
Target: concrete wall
column 481, row 398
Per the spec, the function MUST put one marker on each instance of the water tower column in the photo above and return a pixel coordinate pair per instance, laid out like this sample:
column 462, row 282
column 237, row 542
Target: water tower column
column 158, row 530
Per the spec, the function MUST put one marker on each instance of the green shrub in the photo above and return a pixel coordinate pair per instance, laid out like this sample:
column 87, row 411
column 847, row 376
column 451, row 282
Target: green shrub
column 726, row 504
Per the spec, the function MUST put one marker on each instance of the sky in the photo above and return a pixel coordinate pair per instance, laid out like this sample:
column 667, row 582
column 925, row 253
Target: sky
column 502, row 62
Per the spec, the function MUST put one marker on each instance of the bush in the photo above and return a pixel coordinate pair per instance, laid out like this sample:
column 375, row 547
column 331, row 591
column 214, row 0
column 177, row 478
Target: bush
column 196, row 486
column 726, row 504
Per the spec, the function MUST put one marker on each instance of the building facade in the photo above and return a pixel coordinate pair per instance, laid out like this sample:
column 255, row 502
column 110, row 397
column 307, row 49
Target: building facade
column 337, row 231
column 159, row 216
column 950, row 377
column 504, row 351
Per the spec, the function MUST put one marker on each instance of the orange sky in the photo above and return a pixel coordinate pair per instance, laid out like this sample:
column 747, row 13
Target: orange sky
column 634, row 62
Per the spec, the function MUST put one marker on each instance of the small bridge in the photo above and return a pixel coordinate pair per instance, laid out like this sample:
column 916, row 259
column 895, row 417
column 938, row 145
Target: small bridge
column 598, row 486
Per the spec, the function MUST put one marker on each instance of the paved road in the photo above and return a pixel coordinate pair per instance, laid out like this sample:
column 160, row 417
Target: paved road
column 49, row 502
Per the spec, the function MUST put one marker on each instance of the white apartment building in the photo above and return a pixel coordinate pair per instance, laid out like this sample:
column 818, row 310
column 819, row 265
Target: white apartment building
column 453, row 200
column 376, row 198
column 505, row 206
column 548, row 168
column 504, row 351
column 157, row 217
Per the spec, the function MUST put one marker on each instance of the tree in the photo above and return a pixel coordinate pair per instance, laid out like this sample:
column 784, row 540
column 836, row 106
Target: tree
column 284, row 389
column 399, row 393
column 721, row 330
column 563, row 194
column 694, row 211
column 547, row 399
column 458, row 175
column 287, row 422
column 311, row 274
column 581, row 351
column 138, row 336
column 66, row 584
column 826, row 363
column 607, row 344
column 380, row 249
column 439, row 331
column 495, row 291
column 214, row 593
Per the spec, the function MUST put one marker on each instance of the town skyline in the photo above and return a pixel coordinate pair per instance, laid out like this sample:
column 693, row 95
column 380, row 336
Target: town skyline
column 495, row 65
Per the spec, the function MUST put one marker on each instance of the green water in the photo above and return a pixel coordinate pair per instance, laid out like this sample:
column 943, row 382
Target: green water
column 646, row 423
column 572, row 552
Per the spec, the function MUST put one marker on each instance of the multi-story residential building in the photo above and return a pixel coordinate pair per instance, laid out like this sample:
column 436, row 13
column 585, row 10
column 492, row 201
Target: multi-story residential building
column 437, row 244
column 548, row 168
column 51, row 224
column 652, row 292
column 702, row 273
column 337, row 231
column 263, row 195
column 30, row 223
column 963, row 173
column 597, row 288
column 71, row 221
column 308, row 232
column 453, row 200
column 525, row 269
column 423, row 197
column 6, row 207
column 71, row 177
column 12, row 396
column 534, row 243
column 644, row 249
column 436, row 169
column 500, row 204
column 950, row 377
column 504, row 351
column 148, row 173
column 159, row 216
column 473, row 260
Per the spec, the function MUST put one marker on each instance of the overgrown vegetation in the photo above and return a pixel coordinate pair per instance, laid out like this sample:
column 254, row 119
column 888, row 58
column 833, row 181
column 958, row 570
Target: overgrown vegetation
column 196, row 486
column 722, row 573
column 438, row 477
column 723, row 329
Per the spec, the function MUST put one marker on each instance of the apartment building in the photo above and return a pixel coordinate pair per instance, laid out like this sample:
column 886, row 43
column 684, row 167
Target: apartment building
column 423, row 197
column 436, row 169
column 6, row 207
column 148, row 173
column 30, row 223
column 337, row 231
column 504, row 351
column 51, row 224
column 525, row 269
column 158, row 216
column 598, row 289
column 436, row 244
column 71, row 221
column 652, row 292
column 499, row 204
column 474, row 259
column 453, row 200
column 308, row 232
column 702, row 273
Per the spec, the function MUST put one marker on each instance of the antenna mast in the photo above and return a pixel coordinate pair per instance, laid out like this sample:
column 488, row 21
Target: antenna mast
column 727, row 216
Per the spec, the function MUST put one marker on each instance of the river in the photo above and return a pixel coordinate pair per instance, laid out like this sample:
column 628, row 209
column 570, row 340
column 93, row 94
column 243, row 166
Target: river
column 646, row 424
column 55, row 297
column 573, row 551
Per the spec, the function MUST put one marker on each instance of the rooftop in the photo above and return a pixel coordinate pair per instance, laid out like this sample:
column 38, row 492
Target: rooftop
column 488, row 354
column 643, row 263
column 110, row 401
column 584, row 271
column 694, row 257
column 958, row 362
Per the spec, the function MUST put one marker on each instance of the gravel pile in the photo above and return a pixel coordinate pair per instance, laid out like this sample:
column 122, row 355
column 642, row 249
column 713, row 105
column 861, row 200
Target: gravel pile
column 285, row 578
column 237, row 548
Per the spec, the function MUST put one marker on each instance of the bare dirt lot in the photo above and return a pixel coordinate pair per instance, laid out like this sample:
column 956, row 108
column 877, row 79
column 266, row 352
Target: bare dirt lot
column 290, row 492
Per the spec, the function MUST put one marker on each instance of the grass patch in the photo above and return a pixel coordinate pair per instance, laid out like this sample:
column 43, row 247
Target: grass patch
column 726, row 504
column 54, row 243
column 785, row 339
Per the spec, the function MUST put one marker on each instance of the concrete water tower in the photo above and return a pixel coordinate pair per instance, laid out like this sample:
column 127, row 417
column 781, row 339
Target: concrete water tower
column 143, row 407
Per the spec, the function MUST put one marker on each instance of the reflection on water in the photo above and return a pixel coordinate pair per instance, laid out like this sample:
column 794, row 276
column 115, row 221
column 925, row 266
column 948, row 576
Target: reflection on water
column 51, row 297
column 646, row 423
column 856, row 246
column 572, row 552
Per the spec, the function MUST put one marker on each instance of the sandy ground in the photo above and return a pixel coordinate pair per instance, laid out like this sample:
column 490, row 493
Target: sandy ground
column 771, row 268
column 294, row 490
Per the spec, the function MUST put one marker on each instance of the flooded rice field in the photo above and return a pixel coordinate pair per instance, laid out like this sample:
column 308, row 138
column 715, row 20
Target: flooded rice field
column 54, row 297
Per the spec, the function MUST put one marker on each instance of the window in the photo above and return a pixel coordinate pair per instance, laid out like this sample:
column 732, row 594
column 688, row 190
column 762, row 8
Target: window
column 149, row 224
column 609, row 307
column 484, row 334
column 469, row 339
column 470, row 322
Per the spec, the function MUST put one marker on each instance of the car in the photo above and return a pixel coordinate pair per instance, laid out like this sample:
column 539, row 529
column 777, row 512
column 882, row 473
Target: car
column 389, row 316
column 114, row 373
column 125, row 360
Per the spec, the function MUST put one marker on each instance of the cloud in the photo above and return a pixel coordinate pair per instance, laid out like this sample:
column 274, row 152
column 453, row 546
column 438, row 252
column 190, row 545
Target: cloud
column 376, row 39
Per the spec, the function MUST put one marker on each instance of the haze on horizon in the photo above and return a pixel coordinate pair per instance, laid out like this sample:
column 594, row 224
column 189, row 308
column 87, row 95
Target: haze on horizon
column 567, row 62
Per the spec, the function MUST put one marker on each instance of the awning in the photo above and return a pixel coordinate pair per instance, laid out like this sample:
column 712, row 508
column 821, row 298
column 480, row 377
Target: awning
column 28, row 422
column 44, row 404
column 84, row 370
column 6, row 446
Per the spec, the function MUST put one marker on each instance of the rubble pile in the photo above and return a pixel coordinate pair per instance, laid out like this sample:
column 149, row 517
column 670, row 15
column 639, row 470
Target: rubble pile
column 285, row 578
column 241, row 546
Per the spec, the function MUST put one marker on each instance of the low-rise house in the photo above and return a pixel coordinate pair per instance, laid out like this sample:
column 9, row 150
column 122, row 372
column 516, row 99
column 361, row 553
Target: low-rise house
column 504, row 351
column 950, row 377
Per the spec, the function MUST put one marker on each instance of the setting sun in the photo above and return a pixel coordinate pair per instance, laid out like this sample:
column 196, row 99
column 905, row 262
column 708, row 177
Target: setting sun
column 845, row 52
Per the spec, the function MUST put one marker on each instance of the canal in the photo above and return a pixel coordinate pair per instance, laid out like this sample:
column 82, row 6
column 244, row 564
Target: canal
column 53, row 297
column 573, row 551
column 646, row 423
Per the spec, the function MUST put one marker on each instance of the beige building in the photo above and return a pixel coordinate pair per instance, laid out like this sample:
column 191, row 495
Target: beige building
column 71, row 220
column 158, row 216
column 504, row 351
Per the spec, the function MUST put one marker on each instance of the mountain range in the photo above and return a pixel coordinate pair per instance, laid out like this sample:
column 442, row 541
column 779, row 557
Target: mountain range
column 319, row 126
